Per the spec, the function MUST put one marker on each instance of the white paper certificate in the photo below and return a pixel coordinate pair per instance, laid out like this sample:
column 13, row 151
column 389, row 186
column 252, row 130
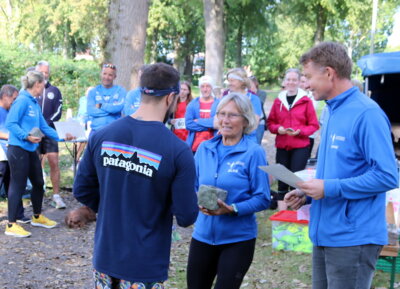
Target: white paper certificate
column 283, row 174
column 72, row 127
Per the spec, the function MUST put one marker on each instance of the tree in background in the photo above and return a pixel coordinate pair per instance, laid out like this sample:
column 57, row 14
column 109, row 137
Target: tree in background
column 214, row 39
column 126, row 39
column 175, row 28
column 54, row 25
column 267, row 35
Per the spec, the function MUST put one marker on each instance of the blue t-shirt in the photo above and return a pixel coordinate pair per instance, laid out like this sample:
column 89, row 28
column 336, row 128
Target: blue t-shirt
column 136, row 175
column 132, row 101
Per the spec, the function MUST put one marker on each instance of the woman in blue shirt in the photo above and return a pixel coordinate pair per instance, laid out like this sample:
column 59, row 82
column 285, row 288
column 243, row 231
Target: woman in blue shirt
column 26, row 126
column 224, row 239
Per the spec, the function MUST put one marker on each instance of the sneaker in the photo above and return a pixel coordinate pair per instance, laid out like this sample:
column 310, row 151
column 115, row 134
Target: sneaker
column 23, row 220
column 58, row 202
column 42, row 221
column 16, row 231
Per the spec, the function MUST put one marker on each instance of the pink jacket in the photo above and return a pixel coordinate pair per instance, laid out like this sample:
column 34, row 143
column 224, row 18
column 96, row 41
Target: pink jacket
column 300, row 116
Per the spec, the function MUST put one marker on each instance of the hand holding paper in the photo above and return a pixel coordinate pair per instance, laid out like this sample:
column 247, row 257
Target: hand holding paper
column 70, row 130
column 283, row 174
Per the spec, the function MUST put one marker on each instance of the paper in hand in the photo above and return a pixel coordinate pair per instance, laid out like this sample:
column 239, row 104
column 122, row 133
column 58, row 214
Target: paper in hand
column 72, row 127
column 283, row 174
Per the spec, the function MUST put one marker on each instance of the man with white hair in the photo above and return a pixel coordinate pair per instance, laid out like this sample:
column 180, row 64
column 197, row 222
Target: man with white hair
column 51, row 104
column 199, row 117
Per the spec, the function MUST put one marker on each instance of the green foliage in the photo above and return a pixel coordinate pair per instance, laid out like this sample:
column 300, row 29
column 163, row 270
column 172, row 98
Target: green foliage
column 68, row 26
column 175, row 27
column 70, row 76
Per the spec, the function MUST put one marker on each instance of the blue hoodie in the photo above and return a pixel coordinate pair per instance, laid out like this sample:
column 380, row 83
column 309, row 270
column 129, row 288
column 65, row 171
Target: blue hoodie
column 24, row 115
column 357, row 163
column 112, row 102
column 247, row 186
column 202, row 124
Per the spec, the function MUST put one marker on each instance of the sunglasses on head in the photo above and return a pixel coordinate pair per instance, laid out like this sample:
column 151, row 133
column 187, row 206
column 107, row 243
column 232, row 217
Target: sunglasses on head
column 109, row 65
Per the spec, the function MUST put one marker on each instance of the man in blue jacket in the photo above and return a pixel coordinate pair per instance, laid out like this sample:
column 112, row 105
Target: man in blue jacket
column 105, row 101
column 356, row 166
column 136, row 174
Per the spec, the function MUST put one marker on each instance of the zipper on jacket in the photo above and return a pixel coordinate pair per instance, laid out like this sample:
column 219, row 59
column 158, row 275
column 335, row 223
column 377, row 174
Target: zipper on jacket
column 325, row 128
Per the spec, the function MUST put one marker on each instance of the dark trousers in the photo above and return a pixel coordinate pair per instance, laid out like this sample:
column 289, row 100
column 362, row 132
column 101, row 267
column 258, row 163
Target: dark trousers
column 311, row 146
column 294, row 159
column 229, row 262
column 23, row 165
column 344, row 267
column 5, row 181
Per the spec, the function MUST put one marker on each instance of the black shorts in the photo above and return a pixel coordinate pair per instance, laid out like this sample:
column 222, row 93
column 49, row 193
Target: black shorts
column 47, row 145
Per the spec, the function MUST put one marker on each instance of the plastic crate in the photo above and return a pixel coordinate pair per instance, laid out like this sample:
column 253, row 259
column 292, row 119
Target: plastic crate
column 290, row 234
column 384, row 264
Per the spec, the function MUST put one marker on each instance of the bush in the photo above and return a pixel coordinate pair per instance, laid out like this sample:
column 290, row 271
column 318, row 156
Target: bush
column 72, row 77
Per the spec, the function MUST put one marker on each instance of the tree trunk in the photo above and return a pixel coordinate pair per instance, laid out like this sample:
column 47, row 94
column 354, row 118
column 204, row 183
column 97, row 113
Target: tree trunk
column 126, row 39
column 322, row 18
column 239, row 39
column 215, row 39
column 188, row 70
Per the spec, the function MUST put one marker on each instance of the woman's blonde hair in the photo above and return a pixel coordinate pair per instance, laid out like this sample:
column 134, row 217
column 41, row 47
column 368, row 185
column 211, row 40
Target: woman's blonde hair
column 29, row 80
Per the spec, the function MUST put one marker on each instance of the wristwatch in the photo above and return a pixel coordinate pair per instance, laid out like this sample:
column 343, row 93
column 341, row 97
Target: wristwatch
column 235, row 210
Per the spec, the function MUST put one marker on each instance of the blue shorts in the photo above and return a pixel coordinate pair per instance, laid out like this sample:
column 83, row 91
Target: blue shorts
column 105, row 281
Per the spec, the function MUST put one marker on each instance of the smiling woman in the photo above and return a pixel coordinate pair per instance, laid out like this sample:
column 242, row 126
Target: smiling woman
column 293, row 120
column 224, row 239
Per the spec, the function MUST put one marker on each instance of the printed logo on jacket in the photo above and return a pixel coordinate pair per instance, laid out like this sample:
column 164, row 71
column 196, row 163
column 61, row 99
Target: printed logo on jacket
column 129, row 158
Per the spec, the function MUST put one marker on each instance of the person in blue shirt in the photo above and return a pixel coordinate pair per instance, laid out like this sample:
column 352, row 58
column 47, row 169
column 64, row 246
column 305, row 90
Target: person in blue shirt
column 105, row 101
column 356, row 167
column 223, row 240
column 82, row 114
column 136, row 174
column 133, row 97
column 8, row 94
column 26, row 126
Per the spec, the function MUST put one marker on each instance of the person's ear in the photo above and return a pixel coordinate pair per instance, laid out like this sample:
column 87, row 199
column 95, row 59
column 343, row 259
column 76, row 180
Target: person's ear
column 170, row 98
column 331, row 73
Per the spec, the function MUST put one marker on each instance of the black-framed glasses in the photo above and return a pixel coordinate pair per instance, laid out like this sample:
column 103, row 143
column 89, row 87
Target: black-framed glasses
column 230, row 116
column 109, row 65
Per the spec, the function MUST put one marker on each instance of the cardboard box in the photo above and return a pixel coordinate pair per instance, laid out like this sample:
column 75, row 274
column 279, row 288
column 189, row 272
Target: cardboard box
column 290, row 234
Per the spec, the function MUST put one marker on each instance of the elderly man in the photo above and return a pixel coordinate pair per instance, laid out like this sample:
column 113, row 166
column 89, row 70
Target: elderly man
column 136, row 174
column 106, row 100
column 356, row 166
column 51, row 104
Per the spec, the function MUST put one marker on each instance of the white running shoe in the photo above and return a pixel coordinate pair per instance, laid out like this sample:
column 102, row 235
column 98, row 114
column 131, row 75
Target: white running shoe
column 58, row 202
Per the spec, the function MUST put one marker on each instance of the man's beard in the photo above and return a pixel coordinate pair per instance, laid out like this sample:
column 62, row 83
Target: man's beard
column 170, row 111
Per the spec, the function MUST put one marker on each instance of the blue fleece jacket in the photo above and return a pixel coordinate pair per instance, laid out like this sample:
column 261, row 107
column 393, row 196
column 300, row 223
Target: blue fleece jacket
column 357, row 163
column 112, row 102
column 202, row 124
column 24, row 115
column 238, row 173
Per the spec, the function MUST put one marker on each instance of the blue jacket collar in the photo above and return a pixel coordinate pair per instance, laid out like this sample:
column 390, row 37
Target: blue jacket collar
column 26, row 93
column 339, row 99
